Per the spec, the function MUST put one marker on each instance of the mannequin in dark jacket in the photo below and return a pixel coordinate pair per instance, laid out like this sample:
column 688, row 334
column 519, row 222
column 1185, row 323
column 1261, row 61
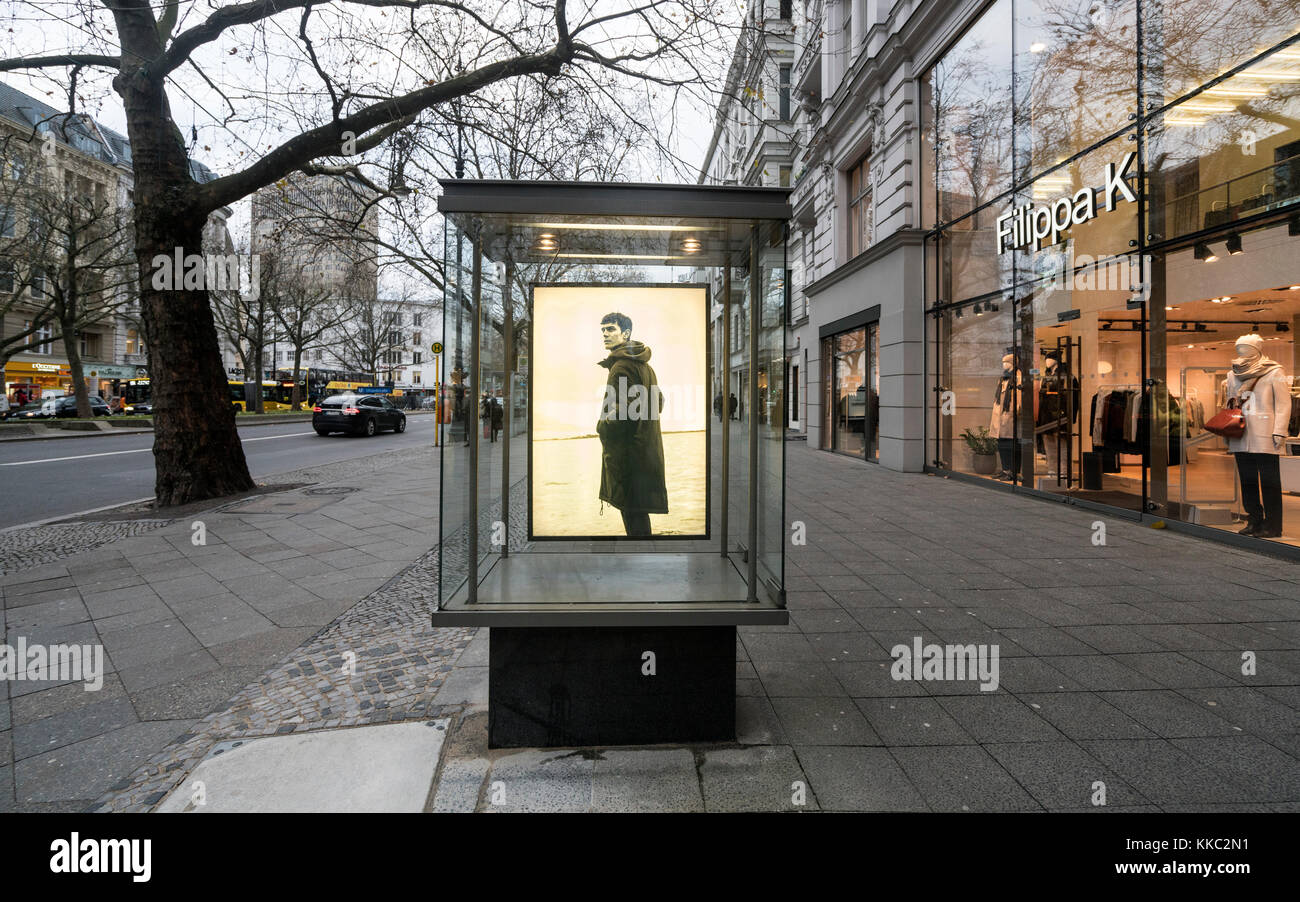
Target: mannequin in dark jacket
column 632, row 458
column 1058, row 403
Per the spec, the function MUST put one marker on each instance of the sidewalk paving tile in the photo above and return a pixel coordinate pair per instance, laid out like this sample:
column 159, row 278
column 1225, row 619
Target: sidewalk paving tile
column 1061, row 776
column 761, row 778
column 858, row 779
column 628, row 780
column 962, row 778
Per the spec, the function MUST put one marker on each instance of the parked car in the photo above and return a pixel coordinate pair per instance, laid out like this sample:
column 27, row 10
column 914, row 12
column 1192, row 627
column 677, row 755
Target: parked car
column 67, row 407
column 358, row 414
column 32, row 411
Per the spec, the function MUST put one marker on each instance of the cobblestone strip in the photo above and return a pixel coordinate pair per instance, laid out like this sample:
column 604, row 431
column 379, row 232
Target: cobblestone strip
column 36, row 545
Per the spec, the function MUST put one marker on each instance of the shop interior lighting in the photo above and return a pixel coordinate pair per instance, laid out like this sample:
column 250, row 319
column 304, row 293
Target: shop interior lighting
column 691, row 245
column 1037, row 47
column 1183, row 120
column 1234, row 244
column 1269, row 75
column 1204, row 106
column 620, row 227
column 1202, row 252
column 621, row 256
column 1230, row 90
column 1293, row 288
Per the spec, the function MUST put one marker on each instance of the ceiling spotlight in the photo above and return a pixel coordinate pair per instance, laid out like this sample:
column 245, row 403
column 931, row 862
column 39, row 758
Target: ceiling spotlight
column 1283, row 327
column 1293, row 224
column 546, row 243
column 1202, row 252
column 1202, row 327
column 1167, row 307
column 1234, row 244
column 1136, row 326
column 958, row 312
column 990, row 306
column 1293, row 288
column 691, row 245
column 1106, row 325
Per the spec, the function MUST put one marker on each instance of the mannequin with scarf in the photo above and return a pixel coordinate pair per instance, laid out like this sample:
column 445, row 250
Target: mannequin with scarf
column 1058, row 404
column 1008, row 401
column 1260, row 389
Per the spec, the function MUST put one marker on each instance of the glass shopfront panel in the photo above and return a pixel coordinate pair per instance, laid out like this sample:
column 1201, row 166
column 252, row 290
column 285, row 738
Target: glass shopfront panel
column 1074, row 68
column 1187, row 43
column 1113, row 356
column 1229, row 152
column 971, row 104
column 1205, row 307
column 984, row 386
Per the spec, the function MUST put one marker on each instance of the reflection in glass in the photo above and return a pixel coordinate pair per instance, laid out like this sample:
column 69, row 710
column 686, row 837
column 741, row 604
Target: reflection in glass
column 1230, row 152
column 1189, row 42
column 971, row 98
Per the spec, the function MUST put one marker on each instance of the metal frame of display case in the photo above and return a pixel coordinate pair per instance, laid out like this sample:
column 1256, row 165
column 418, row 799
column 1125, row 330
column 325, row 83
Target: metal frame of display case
column 761, row 212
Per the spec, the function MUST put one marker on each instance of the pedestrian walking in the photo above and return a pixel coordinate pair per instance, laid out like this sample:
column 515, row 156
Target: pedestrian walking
column 498, row 418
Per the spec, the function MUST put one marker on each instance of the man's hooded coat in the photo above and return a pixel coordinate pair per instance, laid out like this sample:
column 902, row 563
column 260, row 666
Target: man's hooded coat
column 632, row 458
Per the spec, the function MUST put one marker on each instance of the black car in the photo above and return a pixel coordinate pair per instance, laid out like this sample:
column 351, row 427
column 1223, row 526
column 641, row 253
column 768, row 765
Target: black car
column 67, row 406
column 33, row 410
column 358, row 414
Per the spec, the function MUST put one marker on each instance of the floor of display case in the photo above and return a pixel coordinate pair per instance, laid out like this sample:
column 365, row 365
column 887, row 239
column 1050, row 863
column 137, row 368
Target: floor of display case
column 630, row 588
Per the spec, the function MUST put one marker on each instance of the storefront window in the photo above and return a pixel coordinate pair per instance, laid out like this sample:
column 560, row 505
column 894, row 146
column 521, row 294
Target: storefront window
column 1115, row 338
column 1074, row 68
column 1229, row 152
column 971, row 99
column 1204, row 309
column 983, row 388
column 1189, row 42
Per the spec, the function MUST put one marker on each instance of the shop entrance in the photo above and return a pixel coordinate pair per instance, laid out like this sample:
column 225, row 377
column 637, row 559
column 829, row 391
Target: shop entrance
column 852, row 393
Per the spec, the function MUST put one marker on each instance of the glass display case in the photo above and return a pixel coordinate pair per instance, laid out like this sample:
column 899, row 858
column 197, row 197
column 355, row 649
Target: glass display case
column 612, row 422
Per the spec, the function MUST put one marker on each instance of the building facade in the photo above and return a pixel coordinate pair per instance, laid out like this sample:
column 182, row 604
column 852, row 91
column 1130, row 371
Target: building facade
column 1041, row 243
column 93, row 160
column 753, row 143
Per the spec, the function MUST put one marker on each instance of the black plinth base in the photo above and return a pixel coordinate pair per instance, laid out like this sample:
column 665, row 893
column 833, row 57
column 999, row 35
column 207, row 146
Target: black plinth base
column 574, row 686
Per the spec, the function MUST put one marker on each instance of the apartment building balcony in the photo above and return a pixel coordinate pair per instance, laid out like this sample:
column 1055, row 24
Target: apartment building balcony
column 807, row 65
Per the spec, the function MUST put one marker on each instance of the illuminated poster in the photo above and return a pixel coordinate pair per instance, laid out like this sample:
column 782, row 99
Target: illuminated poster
column 619, row 446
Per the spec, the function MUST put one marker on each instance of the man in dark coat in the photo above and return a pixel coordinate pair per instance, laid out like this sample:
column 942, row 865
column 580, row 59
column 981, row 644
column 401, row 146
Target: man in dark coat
column 632, row 458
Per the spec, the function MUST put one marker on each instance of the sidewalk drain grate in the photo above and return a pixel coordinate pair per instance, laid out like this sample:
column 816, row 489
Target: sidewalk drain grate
column 332, row 490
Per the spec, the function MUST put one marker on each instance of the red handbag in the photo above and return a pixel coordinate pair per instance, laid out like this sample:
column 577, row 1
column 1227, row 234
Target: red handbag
column 1229, row 422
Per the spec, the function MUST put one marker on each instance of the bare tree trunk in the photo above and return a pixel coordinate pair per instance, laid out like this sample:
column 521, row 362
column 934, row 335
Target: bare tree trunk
column 71, row 344
column 297, row 364
column 197, row 453
column 196, row 448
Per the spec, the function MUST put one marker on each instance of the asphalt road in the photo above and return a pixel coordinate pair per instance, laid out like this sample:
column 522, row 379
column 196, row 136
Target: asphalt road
column 58, row 477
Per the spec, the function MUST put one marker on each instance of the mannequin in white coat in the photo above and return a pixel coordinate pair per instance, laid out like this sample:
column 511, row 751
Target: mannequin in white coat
column 1261, row 390
column 1008, row 399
